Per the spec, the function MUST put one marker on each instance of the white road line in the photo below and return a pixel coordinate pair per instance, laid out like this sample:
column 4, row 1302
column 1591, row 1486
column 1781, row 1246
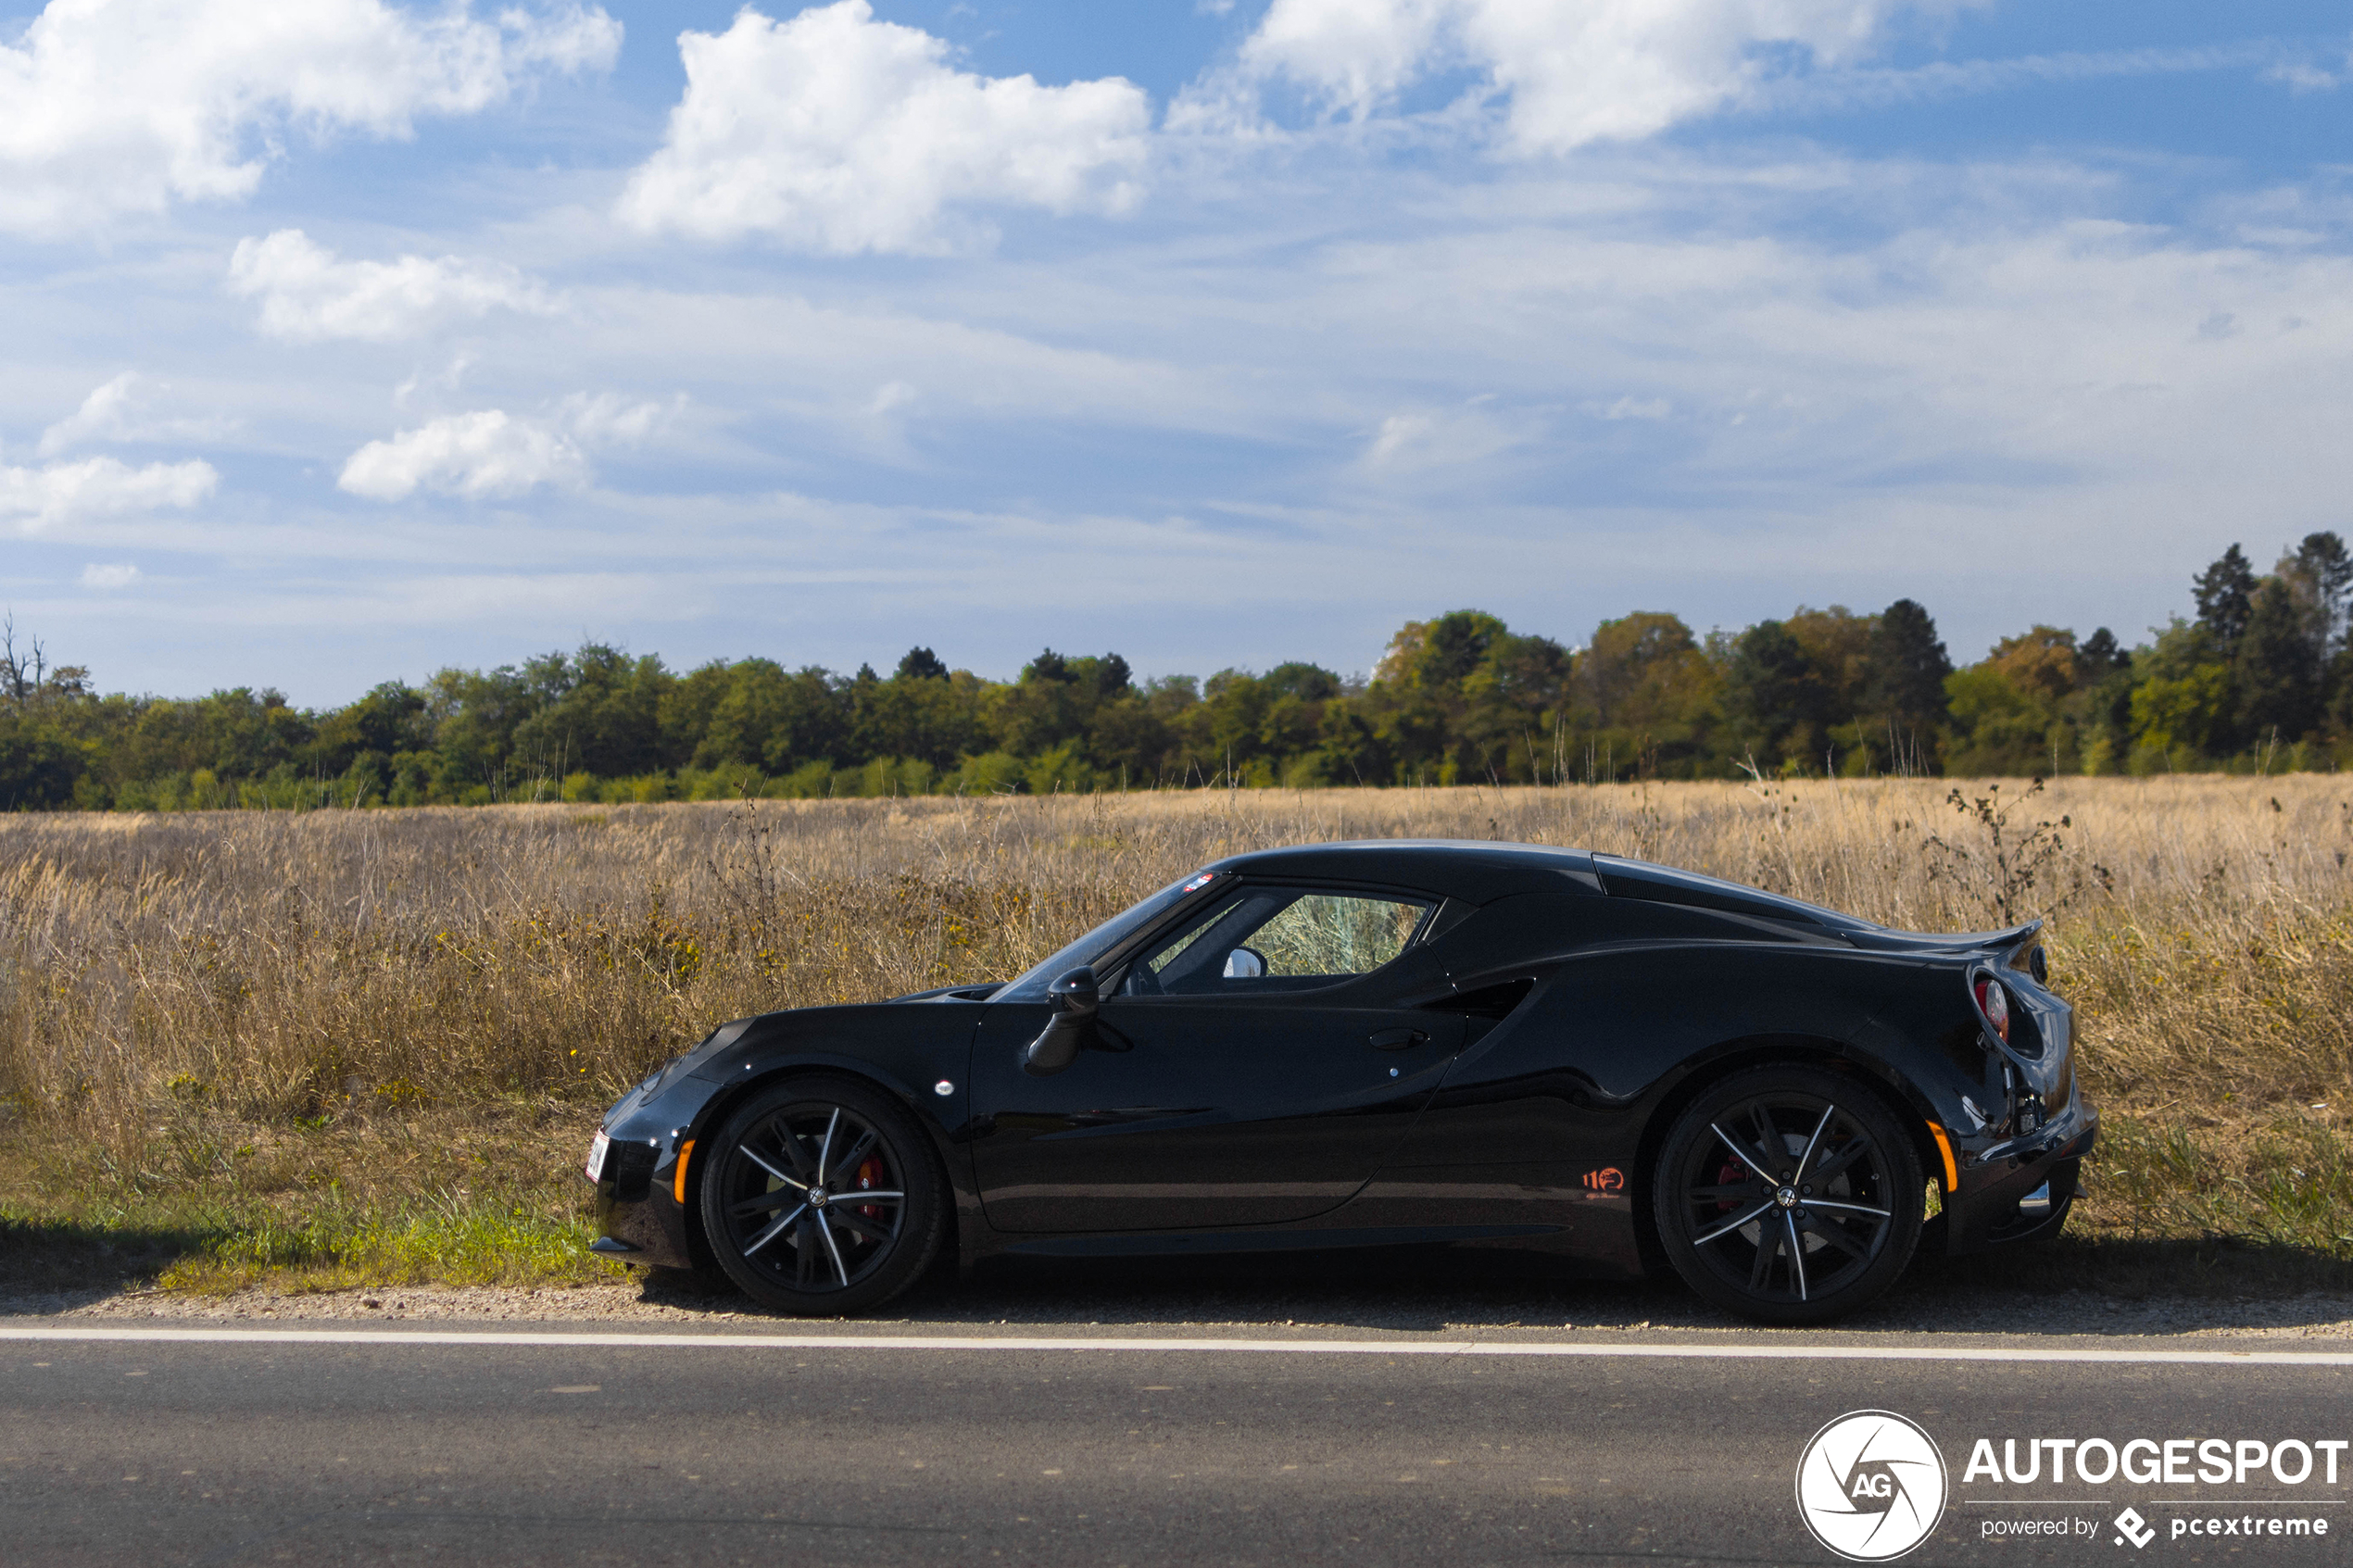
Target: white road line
column 568, row 1341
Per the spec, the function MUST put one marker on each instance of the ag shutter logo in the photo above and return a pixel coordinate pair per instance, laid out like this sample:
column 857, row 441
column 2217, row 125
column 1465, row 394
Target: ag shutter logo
column 1871, row 1485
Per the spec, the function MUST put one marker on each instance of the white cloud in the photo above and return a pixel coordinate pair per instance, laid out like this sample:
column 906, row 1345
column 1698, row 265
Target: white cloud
column 1595, row 70
column 122, row 410
column 119, row 575
column 606, row 418
column 449, row 380
column 113, row 106
column 103, row 413
column 1411, row 443
column 41, row 497
column 308, row 295
column 2302, row 76
column 492, row 453
column 482, row 454
column 1877, row 87
column 833, row 131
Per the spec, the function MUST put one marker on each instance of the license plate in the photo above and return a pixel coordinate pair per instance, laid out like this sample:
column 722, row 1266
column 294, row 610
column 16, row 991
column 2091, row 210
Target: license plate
column 596, row 1166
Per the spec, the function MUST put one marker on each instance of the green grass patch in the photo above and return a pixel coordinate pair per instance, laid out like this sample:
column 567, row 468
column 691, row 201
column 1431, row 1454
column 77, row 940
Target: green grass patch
column 2284, row 1185
column 489, row 1194
column 443, row 1239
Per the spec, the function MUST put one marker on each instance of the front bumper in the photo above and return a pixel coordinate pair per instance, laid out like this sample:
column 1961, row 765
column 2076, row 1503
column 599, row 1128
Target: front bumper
column 639, row 1217
column 1984, row 1211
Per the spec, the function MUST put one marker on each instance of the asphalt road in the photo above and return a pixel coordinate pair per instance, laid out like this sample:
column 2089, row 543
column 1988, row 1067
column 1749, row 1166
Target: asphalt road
column 544, row 1445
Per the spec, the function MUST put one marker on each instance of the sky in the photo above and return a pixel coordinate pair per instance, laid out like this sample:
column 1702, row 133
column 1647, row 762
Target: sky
column 348, row 341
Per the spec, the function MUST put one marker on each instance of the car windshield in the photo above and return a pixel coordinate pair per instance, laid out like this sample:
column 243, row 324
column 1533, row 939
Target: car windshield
column 1031, row 988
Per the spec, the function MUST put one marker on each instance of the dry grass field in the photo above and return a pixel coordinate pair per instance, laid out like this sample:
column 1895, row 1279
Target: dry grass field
column 367, row 1047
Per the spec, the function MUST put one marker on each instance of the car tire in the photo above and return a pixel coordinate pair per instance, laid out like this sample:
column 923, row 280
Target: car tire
column 820, row 1197
column 1789, row 1194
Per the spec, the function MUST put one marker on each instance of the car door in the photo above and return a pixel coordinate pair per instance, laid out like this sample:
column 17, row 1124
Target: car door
column 1254, row 1068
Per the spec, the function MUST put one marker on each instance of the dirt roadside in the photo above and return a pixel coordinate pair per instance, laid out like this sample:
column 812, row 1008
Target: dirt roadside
column 1050, row 1305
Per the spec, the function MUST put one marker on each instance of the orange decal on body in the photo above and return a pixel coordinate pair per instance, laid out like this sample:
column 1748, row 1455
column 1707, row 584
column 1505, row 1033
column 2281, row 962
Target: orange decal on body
column 1608, row 1179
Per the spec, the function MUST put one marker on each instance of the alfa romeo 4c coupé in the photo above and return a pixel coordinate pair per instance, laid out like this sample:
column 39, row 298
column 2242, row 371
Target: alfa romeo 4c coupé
column 1628, row 1067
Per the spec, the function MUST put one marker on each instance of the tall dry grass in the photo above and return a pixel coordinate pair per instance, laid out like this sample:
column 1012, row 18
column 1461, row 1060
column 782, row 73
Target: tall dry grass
column 262, row 971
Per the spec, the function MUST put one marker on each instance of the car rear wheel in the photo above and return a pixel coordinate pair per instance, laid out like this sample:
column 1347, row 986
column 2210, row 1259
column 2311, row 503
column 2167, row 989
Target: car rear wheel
column 823, row 1197
column 1789, row 1194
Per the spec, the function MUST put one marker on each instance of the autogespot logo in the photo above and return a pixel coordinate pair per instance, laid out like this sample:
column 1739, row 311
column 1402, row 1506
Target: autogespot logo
column 1871, row 1485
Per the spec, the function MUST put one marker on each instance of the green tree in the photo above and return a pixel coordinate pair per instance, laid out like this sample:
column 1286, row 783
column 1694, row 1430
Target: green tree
column 239, row 734
column 390, row 719
column 2011, row 712
column 473, row 715
column 2277, row 666
column 933, row 719
column 2099, row 657
column 603, row 715
column 1439, row 655
column 1348, row 751
column 2282, row 684
column 772, row 719
column 2225, row 595
column 1461, row 697
column 2104, row 673
column 2181, row 697
column 921, row 664
column 1643, row 690
column 2325, row 570
column 1906, row 668
column 1776, row 697
column 1053, row 702
column 40, row 767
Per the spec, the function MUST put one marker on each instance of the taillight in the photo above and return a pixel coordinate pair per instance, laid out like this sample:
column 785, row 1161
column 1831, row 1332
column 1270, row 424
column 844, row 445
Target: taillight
column 1994, row 1003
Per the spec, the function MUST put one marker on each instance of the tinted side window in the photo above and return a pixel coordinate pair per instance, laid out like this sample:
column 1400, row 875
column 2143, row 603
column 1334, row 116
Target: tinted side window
column 1336, row 935
column 1275, row 940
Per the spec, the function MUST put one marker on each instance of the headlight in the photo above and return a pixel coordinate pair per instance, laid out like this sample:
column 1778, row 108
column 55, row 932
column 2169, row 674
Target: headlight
column 678, row 1066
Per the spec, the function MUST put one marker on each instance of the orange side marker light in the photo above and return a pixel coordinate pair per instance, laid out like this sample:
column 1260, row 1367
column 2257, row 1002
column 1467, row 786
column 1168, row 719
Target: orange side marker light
column 1943, row 1147
column 678, row 1181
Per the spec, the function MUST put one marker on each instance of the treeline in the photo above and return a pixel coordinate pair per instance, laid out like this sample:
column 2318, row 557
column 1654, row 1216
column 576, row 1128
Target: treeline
column 2259, row 678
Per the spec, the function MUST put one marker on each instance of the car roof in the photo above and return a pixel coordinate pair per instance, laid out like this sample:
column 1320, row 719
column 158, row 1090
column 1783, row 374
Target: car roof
column 1476, row 870
column 1479, row 872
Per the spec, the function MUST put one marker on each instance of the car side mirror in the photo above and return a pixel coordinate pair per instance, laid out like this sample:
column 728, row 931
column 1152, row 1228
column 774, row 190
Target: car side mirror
column 1076, row 999
column 1245, row 963
column 1077, row 992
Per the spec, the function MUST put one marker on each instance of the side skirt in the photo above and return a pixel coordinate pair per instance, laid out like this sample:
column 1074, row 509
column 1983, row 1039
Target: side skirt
column 1152, row 1244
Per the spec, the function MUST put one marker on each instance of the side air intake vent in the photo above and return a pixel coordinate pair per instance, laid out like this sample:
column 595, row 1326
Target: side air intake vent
column 1497, row 1001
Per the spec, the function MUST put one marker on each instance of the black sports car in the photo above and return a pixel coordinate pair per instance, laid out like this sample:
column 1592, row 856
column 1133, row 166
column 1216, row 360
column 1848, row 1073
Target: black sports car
column 1382, row 1043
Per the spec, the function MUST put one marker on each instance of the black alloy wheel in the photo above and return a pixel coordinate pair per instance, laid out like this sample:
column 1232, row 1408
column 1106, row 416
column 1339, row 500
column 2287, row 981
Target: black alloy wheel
column 823, row 1197
column 1789, row 1194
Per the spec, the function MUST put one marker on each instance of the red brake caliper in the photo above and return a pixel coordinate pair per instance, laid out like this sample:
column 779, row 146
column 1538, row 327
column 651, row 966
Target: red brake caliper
column 1732, row 1174
column 868, row 1175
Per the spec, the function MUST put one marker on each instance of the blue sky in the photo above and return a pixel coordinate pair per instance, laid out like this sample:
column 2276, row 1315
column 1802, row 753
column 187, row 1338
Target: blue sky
column 350, row 344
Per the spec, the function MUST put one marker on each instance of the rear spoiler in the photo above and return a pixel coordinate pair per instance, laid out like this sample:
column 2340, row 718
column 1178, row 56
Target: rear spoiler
column 2004, row 942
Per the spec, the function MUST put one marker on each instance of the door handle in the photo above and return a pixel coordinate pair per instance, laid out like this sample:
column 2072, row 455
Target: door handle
column 1398, row 1039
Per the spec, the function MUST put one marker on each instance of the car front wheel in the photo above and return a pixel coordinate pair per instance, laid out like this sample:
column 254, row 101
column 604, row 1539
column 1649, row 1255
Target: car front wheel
column 823, row 1197
column 1789, row 1194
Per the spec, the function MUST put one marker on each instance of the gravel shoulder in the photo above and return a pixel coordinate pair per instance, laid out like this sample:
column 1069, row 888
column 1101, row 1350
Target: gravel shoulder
column 1118, row 1300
